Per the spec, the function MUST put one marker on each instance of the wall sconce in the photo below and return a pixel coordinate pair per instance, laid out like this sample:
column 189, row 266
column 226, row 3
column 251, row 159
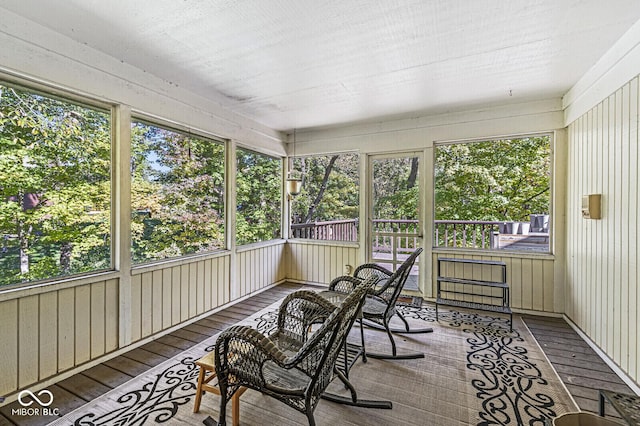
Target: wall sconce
column 591, row 206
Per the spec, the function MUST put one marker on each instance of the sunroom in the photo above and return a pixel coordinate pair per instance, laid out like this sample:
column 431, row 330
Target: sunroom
column 162, row 162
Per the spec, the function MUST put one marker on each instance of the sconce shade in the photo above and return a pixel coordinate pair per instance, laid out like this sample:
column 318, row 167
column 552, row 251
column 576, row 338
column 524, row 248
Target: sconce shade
column 294, row 186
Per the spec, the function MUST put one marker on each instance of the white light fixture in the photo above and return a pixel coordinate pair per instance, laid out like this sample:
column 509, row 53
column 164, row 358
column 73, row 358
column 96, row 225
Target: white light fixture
column 294, row 184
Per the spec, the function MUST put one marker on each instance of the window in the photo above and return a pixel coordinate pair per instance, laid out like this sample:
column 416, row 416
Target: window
column 258, row 197
column 327, row 208
column 177, row 193
column 493, row 194
column 55, row 186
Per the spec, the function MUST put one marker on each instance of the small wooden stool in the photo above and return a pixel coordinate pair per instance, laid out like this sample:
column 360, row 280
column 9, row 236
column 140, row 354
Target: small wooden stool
column 207, row 364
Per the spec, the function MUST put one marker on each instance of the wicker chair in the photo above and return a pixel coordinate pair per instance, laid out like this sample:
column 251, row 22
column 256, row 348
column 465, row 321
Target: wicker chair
column 380, row 306
column 292, row 365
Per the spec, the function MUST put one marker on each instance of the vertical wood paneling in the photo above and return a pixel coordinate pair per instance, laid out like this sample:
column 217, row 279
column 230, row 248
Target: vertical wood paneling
column 28, row 338
column 146, row 311
column 167, row 302
column 83, row 323
column 184, row 292
column 156, row 300
column 531, row 281
column 602, row 255
column 66, row 329
column 48, row 344
column 111, row 315
column 9, row 346
column 208, row 284
column 97, row 319
column 319, row 263
column 176, row 295
column 200, row 284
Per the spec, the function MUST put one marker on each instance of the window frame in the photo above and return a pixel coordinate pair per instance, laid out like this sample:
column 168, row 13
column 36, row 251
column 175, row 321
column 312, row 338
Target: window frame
column 108, row 108
column 173, row 126
column 552, row 202
column 359, row 171
column 233, row 188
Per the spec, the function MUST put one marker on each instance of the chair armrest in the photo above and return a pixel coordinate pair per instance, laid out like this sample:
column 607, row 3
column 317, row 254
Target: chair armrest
column 344, row 284
column 241, row 351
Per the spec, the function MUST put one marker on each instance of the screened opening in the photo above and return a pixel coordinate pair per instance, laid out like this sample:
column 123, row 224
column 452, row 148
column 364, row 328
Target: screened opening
column 494, row 194
column 177, row 193
column 327, row 208
column 258, row 197
column 55, row 186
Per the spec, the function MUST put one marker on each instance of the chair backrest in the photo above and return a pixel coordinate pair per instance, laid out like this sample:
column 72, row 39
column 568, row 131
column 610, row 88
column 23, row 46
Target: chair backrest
column 391, row 290
column 320, row 351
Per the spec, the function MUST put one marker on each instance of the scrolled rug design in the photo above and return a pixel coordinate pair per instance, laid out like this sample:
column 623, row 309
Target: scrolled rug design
column 509, row 381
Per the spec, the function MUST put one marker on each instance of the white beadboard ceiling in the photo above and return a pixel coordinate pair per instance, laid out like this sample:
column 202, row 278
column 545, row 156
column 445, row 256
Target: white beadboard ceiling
column 310, row 63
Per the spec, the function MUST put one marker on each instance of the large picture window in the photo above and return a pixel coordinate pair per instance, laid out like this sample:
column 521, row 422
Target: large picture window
column 493, row 194
column 258, row 197
column 328, row 205
column 177, row 193
column 55, row 187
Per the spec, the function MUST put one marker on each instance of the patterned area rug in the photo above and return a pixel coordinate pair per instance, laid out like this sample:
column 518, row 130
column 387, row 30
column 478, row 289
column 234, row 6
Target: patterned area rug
column 475, row 371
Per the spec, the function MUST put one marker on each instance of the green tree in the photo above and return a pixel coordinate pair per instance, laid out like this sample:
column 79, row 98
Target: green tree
column 177, row 193
column 500, row 180
column 55, row 190
column 330, row 189
column 258, row 197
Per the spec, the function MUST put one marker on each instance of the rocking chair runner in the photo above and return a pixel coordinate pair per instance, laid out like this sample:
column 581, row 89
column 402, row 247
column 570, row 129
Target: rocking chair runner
column 380, row 305
column 291, row 365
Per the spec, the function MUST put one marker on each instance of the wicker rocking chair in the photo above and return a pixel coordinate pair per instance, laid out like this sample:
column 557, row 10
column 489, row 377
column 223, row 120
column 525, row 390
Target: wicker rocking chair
column 380, row 304
column 292, row 365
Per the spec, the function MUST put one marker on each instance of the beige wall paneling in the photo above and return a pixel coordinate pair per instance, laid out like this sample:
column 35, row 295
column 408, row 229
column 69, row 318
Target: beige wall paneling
column 200, row 284
column 184, row 292
column 28, row 339
column 66, row 329
column 193, row 289
column 111, row 315
column 83, row 323
column 208, row 284
column 167, row 305
column 602, row 255
column 634, row 200
column 9, row 346
column 97, row 313
column 156, row 301
column 48, row 345
column 146, row 312
column 530, row 279
column 136, row 307
column 176, row 295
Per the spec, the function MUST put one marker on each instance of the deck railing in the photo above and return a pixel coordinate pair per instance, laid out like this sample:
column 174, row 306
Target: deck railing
column 466, row 234
column 335, row 230
column 402, row 235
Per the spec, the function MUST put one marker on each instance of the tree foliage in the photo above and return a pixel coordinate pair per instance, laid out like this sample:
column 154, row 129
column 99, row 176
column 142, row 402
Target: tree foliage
column 55, row 186
column 500, row 180
column 330, row 188
column 177, row 193
column 258, row 197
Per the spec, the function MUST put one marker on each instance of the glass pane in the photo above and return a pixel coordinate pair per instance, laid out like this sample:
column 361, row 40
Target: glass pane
column 55, row 196
column 177, row 193
column 327, row 208
column 395, row 220
column 258, row 197
column 493, row 194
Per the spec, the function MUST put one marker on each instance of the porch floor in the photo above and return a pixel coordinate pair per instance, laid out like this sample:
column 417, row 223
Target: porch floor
column 581, row 370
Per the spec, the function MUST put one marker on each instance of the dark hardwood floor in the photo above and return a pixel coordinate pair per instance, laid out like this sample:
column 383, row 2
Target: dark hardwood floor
column 581, row 370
